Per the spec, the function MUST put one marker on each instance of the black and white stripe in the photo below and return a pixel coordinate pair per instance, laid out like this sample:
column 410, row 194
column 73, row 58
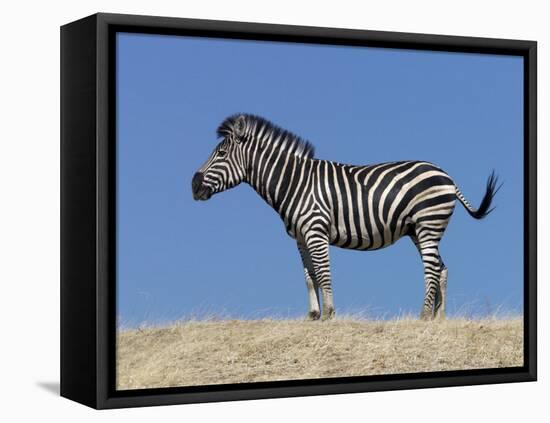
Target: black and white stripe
column 326, row 203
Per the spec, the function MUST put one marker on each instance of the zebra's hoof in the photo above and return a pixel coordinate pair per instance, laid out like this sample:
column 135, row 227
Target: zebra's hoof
column 440, row 318
column 313, row 315
column 426, row 316
column 328, row 314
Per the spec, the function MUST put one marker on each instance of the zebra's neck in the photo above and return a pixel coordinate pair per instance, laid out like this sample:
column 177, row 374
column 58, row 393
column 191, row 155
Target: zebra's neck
column 272, row 172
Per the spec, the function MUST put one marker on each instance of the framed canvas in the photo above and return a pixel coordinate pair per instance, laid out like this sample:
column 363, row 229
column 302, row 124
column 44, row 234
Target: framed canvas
column 351, row 141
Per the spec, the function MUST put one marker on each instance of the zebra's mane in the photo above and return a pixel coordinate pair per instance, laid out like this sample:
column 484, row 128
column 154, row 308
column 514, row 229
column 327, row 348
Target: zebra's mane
column 276, row 136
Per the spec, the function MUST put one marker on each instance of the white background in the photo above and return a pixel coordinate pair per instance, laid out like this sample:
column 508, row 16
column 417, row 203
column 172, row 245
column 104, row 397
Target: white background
column 29, row 211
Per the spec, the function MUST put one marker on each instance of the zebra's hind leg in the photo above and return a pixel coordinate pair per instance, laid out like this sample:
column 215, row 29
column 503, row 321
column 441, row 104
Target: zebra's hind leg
column 433, row 266
column 311, row 283
column 439, row 309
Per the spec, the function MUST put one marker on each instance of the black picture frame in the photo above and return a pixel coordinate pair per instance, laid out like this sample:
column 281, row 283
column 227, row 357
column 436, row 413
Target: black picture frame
column 88, row 259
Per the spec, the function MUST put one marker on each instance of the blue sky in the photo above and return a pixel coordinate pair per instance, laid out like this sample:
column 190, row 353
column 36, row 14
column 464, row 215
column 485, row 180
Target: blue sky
column 230, row 256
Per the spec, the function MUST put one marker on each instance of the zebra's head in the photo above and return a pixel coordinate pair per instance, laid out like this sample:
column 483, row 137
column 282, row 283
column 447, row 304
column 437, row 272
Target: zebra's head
column 225, row 168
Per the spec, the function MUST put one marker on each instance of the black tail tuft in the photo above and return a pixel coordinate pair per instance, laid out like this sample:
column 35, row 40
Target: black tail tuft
column 490, row 191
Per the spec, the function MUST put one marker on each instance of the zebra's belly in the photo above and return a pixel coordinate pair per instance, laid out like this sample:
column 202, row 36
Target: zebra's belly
column 363, row 237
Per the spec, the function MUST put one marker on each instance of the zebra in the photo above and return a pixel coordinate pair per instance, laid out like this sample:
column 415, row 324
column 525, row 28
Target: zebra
column 326, row 203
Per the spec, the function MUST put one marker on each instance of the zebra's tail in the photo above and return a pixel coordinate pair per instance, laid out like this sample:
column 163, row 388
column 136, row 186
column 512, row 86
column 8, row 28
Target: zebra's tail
column 484, row 208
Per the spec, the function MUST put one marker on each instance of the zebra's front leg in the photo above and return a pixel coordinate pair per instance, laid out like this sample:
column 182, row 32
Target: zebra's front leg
column 318, row 248
column 311, row 284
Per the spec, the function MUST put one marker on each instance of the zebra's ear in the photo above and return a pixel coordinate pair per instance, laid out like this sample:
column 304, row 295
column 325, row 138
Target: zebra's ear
column 239, row 127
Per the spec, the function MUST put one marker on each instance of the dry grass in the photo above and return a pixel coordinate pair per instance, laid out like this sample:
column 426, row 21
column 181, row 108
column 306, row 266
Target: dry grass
column 234, row 351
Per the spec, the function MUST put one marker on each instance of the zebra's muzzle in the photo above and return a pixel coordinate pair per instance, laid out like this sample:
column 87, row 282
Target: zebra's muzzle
column 200, row 191
column 203, row 194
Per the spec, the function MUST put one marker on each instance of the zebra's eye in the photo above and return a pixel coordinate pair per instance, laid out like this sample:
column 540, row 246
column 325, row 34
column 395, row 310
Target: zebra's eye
column 222, row 153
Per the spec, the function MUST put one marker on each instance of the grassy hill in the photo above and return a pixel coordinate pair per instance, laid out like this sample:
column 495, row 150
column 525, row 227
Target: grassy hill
column 232, row 351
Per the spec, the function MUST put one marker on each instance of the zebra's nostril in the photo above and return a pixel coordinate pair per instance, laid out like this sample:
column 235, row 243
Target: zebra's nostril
column 197, row 181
